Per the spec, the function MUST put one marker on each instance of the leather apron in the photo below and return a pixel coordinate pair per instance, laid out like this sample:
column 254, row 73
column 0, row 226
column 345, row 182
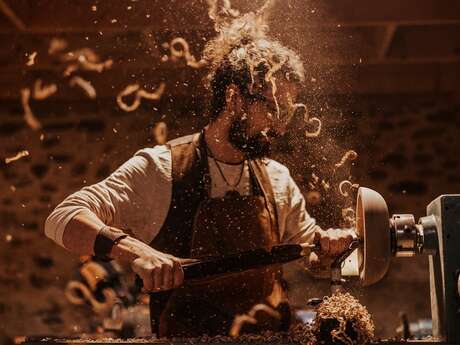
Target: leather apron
column 223, row 226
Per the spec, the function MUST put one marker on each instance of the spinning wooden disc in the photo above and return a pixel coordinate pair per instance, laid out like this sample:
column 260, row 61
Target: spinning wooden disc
column 373, row 227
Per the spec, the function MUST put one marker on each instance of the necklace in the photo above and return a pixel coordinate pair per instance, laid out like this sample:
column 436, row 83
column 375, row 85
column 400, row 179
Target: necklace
column 233, row 186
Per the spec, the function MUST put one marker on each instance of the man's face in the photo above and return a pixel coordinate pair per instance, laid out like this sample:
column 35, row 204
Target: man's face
column 264, row 119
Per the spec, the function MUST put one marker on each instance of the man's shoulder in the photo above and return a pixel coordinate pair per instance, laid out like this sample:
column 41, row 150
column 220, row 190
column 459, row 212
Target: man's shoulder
column 156, row 151
column 184, row 140
column 275, row 167
column 158, row 156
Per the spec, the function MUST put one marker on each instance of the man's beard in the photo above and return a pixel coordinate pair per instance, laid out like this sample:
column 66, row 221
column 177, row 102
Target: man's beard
column 254, row 146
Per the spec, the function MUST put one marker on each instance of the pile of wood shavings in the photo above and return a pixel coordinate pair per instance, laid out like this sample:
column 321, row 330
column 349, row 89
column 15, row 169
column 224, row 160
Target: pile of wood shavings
column 341, row 319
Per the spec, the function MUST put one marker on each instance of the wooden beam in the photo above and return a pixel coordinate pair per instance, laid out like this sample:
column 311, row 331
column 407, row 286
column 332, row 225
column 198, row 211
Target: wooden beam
column 116, row 17
column 387, row 40
column 391, row 76
column 9, row 13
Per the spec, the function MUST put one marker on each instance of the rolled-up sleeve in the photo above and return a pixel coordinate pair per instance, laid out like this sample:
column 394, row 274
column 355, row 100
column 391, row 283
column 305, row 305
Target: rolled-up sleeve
column 300, row 226
column 134, row 197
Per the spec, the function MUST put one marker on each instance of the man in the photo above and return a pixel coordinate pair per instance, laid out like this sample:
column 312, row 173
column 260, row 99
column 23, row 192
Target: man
column 211, row 193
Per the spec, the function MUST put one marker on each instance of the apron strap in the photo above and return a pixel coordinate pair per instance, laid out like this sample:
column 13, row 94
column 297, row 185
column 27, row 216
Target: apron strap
column 259, row 170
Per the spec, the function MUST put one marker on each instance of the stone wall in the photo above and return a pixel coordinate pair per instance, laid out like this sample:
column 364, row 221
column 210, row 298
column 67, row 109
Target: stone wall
column 408, row 151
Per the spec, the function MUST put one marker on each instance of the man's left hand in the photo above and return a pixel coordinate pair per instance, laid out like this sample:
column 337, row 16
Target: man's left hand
column 333, row 242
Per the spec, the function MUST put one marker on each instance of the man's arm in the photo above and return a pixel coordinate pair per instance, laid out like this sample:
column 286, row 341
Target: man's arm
column 302, row 228
column 136, row 196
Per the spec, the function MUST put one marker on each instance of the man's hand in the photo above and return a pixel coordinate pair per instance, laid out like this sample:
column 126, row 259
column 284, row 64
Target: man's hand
column 332, row 243
column 158, row 271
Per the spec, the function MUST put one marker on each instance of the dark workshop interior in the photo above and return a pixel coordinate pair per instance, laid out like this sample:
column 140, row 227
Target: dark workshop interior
column 85, row 84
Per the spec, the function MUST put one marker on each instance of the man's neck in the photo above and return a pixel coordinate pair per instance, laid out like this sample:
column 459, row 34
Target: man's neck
column 216, row 135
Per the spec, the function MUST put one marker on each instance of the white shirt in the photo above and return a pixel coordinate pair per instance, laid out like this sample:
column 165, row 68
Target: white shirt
column 137, row 196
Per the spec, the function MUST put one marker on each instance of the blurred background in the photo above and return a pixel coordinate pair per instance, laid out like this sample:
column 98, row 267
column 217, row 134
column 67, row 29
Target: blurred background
column 383, row 77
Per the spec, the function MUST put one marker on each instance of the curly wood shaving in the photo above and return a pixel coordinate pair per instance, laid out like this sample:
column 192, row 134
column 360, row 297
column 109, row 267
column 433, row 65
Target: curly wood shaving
column 345, row 309
column 238, row 322
column 348, row 215
column 87, row 60
column 42, row 92
column 18, row 156
column 184, row 51
column 85, row 85
column 80, row 55
column 293, row 108
column 221, row 14
column 318, row 130
column 29, row 116
column 140, row 93
column 349, row 187
column 97, row 67
column 156, row 95
column 349, row 155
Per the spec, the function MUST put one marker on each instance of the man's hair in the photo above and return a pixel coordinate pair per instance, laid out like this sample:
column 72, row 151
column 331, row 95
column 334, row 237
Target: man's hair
column 242, row 54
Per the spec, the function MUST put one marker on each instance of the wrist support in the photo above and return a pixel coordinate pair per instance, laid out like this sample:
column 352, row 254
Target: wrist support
column 105, row 240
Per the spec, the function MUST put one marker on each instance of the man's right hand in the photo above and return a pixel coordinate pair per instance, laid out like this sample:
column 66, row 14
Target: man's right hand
column 158, row 271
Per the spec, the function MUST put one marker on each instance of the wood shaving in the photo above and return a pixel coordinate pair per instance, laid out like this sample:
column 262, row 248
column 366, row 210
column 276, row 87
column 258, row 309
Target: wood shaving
column 293, row 108
column 250, row 318
column 318, row 130
column 29, row 116
column 341, row 319
column 18, row 156
column 184, row 52
column 41, row 91
column 70, row 69
column 85, row 59
column 221, row 14
column 31, row 59
column 349, row 185
column 97, row 67
column 160, row 133
column 349, row 217
column 85, row 85
column 349, row 155
column 57, row 45
column 140, row 93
